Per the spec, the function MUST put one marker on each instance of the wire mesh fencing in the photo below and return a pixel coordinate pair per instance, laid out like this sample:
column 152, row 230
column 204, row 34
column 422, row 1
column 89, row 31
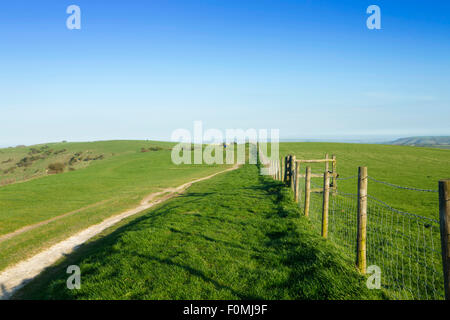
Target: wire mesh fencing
column 405, row 246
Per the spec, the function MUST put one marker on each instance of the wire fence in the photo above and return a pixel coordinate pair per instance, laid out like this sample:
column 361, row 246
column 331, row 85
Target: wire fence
column 405, row 246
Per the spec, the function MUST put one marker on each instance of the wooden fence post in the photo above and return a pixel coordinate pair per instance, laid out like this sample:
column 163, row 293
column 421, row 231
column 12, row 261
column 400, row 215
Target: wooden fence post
column 277, row 169
column 326, row 163
column 272, row 167
column 334, row 174
column 280, row 177
column 307, row 190
column 362, row 220
column 286, row 159
column 274, row 164
column 288, row 170
column 291, row 172
column 280, row 168
column 296, row 182
column 444, row 219
column 326, row 198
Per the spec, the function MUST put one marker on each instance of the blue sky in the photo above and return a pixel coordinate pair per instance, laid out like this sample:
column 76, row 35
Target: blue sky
column 141, row 69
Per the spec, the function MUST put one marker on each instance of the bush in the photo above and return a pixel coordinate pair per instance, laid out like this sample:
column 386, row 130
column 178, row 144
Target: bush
column 9, row 170
column 59, row 151
column 7, row 181
column 25, row 162
column 57, row 167
column 153, row 148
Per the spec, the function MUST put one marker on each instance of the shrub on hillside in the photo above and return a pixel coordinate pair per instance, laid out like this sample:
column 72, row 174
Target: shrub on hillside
column 7, row 181
column 9, row 170
column 59, row 151
column 153, row 148
column 57, row 167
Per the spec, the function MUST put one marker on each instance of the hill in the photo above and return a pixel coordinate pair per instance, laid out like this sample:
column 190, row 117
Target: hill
column 436, row 142
column 92, row 192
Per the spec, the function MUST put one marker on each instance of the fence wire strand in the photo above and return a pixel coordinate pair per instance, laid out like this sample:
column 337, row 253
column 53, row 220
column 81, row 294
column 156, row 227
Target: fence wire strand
column 401, row 187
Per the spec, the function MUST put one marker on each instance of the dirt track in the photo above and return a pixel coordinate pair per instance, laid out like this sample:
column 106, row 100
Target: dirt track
column 15, row 277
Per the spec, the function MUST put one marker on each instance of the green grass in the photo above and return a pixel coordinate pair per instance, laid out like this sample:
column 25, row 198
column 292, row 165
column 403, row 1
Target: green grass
column 40, row 156
column 126, row 175
column 236, row 236
column 123, row 179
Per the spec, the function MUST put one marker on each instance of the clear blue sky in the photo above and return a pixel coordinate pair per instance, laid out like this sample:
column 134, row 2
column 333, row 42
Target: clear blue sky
column 141, row 69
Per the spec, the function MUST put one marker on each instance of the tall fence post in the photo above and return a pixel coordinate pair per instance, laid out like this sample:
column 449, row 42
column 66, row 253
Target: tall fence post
column 291, row 172
column 271, row 168
column 286, row 160
column 334, row 174
column 297, row 174
column 288, row 170
column 326, row 198
column 362, row 220
column 444, row 219
column 326, row 163
column 278, row 169
column 307, row 190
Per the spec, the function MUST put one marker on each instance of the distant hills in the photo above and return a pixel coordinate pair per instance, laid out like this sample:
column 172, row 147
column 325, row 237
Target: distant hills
column 436, row 142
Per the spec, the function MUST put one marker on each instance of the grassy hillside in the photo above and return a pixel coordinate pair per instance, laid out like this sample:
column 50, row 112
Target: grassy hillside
column 28, row 162
column 236, row 236
column 437, row 142
column 105, row 187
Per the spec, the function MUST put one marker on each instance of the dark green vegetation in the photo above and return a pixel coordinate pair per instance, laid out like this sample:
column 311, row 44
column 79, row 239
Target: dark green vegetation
column 89, row 194
column 236, row 236
column 437, row 142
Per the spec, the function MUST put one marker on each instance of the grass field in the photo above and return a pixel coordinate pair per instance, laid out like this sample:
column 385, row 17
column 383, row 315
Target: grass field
column 104, row 187
column 101, row 189
column 236, row 236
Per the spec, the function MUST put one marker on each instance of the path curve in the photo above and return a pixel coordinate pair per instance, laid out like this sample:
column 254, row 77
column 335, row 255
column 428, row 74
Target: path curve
column 15, row 277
